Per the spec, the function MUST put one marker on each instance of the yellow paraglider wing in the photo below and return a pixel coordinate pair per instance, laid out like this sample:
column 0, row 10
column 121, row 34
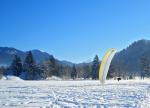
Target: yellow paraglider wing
column 105, row 63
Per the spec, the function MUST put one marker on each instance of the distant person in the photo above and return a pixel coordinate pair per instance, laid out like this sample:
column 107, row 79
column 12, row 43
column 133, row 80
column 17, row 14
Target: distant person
column 119, row 79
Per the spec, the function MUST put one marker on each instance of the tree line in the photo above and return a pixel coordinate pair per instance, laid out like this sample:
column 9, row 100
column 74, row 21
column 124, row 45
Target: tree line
column 30, row 70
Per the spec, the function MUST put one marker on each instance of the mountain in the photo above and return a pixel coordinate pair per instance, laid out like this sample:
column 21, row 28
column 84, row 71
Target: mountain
column 7, row 55
column 40, row 56
column 64, row 62
column 128, row 60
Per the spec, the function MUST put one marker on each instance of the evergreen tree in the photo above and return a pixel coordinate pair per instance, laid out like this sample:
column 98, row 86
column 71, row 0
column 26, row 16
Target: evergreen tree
column 67, row 71
column 30, row 66
column 74, row 72
column 144, row 66
column 2, row 71
column 95, row 67
column 39, row 72
column 130, row 77
column 16, row 66
column 52, row 64
column 87, row 72
column 50, row 67
column 60, row 70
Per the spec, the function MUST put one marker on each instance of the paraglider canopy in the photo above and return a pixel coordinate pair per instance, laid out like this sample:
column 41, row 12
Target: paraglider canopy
column 105, row 64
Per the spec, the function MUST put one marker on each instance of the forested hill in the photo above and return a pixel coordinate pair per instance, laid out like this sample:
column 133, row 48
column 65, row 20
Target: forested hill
column 129, row 60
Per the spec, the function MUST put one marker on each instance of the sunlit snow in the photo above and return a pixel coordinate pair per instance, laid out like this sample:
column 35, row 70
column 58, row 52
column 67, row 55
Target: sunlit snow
column 74, row 94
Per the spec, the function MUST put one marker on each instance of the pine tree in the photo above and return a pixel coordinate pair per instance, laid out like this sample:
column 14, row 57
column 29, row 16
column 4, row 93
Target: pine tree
column 144, row 66
column 2, row 71
column 60, row 70
column 74, row 72
column 16, row 66
column 95, row 67
column 39, row 72
column 50, row 67
column 87, row 72
column 30, row 66
column 130, row 77
column 52, row 64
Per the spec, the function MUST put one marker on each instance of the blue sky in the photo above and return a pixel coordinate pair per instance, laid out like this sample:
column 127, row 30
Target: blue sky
column 73, row 30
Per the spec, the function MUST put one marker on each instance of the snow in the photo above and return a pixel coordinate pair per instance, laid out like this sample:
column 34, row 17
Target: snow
column 54, row 78
column 3, row 78
column 74, row 94
column 11, row 78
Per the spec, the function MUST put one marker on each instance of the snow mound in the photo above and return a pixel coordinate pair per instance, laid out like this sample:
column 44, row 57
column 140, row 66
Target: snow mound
column 3, row 78
column 14, row 78
column 54, row 78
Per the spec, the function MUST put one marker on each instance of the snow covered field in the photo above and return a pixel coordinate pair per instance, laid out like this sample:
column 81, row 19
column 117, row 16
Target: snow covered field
column 74, row 94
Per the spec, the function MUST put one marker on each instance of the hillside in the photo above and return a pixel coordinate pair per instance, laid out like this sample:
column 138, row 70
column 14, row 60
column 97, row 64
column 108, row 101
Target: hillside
column 128, row 60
